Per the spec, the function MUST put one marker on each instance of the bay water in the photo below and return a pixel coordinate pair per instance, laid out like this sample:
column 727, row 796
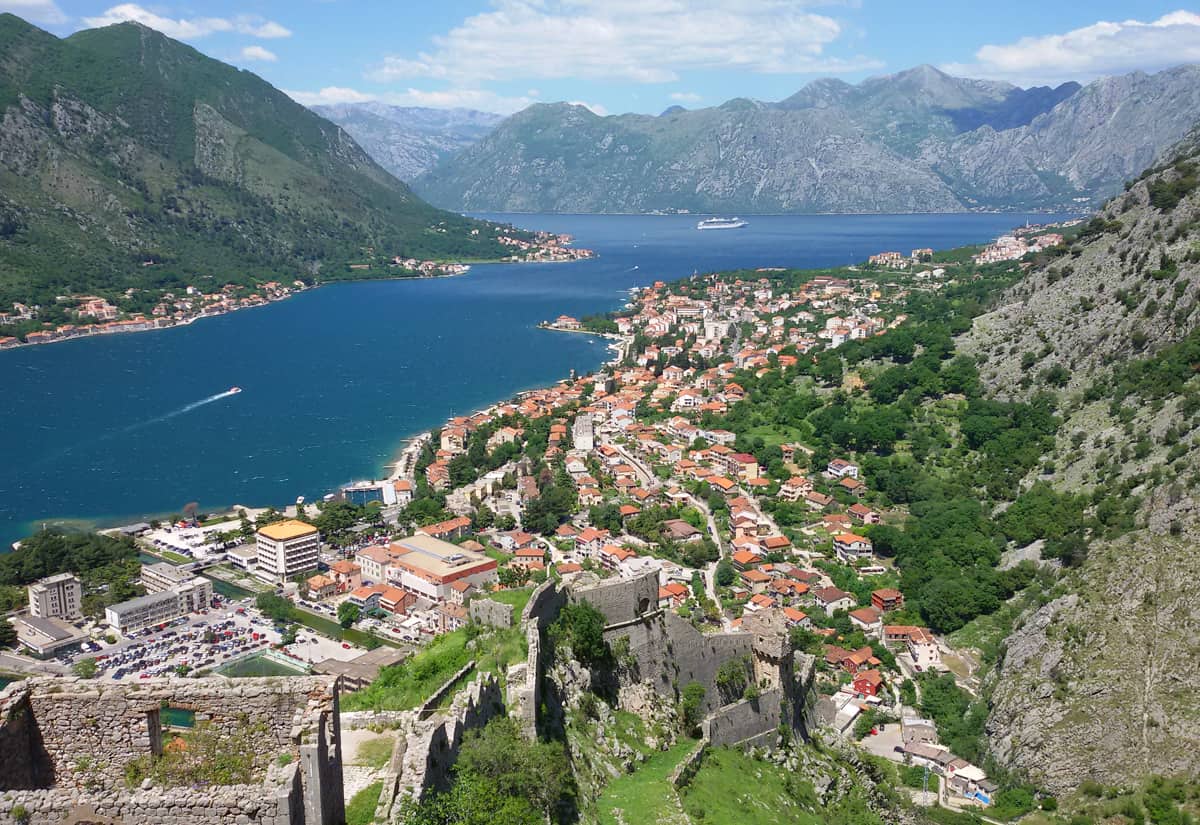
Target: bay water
column 112, row 429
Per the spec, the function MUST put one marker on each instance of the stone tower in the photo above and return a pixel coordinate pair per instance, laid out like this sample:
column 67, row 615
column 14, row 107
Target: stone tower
column 772, row 650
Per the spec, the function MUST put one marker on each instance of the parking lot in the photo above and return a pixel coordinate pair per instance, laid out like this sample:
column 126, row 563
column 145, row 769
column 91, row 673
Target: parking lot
column 206, row 641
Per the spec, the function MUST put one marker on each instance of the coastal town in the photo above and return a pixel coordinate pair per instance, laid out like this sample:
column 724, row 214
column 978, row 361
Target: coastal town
column 88, row 315
column 641, row 469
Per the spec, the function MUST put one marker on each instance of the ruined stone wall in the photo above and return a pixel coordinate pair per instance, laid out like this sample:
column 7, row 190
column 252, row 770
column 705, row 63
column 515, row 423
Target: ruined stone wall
column 621, row 600
column 432, row 744
column 543, row 605
column 525, row 683
column 24, row 763
column 78, row 736
column 747, row 720
column 178, row 806
column 491, row 613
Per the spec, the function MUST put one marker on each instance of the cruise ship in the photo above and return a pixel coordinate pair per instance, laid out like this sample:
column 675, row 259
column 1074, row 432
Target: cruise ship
column 721, row 223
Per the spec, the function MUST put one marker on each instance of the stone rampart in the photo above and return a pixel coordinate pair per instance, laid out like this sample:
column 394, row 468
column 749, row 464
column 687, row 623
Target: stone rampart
column 669, row 653
column 431, row 746
column 490, row 613
column 525, row 683
column 543, row 605
column 620, row 600
column 65, row 745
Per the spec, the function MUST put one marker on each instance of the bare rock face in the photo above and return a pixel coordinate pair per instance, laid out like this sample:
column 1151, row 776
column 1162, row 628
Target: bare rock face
column 1095, row 684
column 408, row 140
column 917, row 141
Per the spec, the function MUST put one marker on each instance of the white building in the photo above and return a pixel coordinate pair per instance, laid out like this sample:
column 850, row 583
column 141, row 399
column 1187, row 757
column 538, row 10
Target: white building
column 287, row 549
column 144, row 611
column 582, row 432
column 195, row 591
column 56, row 597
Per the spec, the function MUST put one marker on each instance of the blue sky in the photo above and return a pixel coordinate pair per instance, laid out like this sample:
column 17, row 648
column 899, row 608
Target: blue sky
column 641, row 55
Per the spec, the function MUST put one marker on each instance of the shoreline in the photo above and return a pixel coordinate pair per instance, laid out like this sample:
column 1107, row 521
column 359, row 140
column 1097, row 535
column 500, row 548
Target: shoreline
column 400, row 466
column 154, row 326
column 415, row 443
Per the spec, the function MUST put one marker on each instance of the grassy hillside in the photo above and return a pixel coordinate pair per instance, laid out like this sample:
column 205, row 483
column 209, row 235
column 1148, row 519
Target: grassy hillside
column 121, row 147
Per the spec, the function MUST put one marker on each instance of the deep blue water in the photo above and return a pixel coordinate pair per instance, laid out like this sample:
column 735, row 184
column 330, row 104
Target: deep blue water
column 109, row 430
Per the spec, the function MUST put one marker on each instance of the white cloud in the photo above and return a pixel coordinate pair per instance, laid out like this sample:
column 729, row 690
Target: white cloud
column 188, row 28
column 256, row 26
column 644, row 41
column 258, row 53
column 35, row 11
column 329, row 95
column 685, row 97
column 1092, row 51
column 480, row 99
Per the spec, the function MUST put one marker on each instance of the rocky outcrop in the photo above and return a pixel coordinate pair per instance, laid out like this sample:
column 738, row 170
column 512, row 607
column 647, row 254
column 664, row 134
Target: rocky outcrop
column 1125, row 290
column 1096, row 684
column 409, row 140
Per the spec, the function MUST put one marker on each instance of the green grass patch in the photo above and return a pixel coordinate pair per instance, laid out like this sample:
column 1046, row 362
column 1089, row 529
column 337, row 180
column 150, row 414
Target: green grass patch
column 406, row 685
column 171, row 556
column 645, row 795
column 775, row 434
column 360, row 810
column 409, row 684
column 518, row 598
column 375, row 753
column 733, row 789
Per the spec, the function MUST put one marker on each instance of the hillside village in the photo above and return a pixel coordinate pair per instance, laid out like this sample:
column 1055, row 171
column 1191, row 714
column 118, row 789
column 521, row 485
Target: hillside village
column 642, row 472
column 738, row 452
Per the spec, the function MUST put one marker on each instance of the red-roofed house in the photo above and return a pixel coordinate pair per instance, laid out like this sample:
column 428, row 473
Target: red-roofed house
column 868, row 682
column 887, row 599
column 851, row 547
column 863, row 514
column 454, row 528
column 672, row 595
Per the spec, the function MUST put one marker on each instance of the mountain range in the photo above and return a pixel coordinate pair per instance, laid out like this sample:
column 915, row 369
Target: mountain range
column 917, row 141
column 130, row 160
column 409, row 140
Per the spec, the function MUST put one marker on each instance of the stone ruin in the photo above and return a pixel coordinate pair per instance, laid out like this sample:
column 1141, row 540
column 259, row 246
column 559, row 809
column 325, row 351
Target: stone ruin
column 429, row 741
column 65, row 745
column 664, row 652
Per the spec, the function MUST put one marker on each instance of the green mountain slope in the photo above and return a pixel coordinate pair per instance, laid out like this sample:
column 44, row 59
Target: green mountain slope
column 120, row 146
column 1094, row 684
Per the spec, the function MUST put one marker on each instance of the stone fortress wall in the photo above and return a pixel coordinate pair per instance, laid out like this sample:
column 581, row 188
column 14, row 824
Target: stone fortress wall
column 428, row 743
column 65, row 743
column 667, row 653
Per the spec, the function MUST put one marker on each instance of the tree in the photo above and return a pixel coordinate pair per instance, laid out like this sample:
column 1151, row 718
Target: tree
column 86, row 668
column 581, row 626
column 725, row 573
column 274, row 607
column 691, row 705
column 347, row 613
column 8, row 634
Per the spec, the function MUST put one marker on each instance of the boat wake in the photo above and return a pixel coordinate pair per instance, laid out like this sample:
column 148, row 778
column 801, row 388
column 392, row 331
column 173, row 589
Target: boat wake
column 186, row 408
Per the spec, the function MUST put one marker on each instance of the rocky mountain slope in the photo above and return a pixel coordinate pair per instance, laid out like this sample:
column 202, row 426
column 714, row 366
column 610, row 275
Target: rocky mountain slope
column 121, row 147
column 1095, row 683
column 919, row 140
column 409, row 140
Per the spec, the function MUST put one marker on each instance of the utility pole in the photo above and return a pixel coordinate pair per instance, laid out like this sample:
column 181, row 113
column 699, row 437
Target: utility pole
column 925, row 787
